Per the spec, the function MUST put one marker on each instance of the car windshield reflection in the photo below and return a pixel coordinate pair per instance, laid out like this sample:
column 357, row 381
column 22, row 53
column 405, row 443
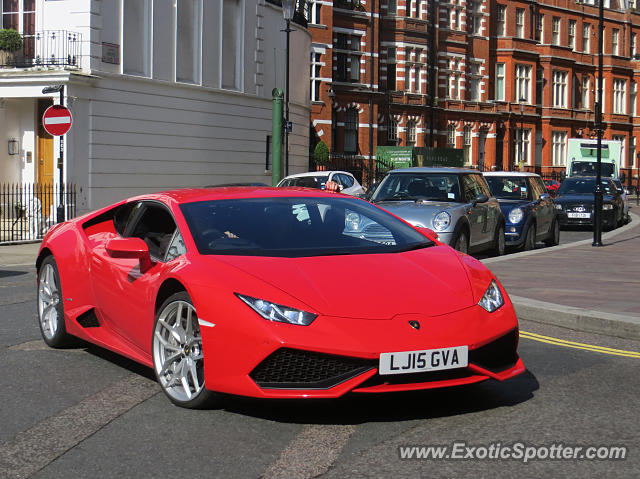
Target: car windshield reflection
column 419, row 186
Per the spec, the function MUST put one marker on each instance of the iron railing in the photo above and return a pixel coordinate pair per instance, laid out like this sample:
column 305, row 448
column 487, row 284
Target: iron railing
column 28, row 210
column 46, row 48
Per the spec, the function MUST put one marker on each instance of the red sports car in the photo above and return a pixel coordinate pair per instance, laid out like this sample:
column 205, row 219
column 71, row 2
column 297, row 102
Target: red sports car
column 274, row 292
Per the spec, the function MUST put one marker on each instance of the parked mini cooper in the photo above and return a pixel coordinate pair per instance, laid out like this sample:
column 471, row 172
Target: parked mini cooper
column 528, row 208
column 454, row 202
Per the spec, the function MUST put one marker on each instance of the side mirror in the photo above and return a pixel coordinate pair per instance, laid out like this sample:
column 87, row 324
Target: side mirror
column 132, row 248
column 481, row 198
column 429, row 233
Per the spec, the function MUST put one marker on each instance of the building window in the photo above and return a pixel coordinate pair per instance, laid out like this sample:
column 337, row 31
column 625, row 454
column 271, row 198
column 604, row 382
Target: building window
column 455, row 19
column 632, row 151
column 314, row 10
column 520, row 22
column 604, row 92
column 560, row 89
column 502, row 23
column 20, row 15
column 523, row 83
column 559, row 148
column 232, row 57
column 411, row 133
column 316, row 65
column 474, row 81
column 634, row 98
column 500, row 81
column 451, row 136
column 348, row 55
column 623, row 140
column 619, row 96
column 586, row 37
column 615, row 47
column 540, row 27
column 466, row 144
column 522, row 146
column 585, row 91
column 391, row 69
column 407, row 69
column 413, row 71
column 555, row 31
column 454, row 79
column 392, row 7
column 572, row 34
column 135, row 18
column 475, row 18
column 392, row 133
column 351, row 131
column 634, row 45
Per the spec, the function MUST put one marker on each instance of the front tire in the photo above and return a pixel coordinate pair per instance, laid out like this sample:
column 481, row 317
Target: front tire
column 530, row 239
column 461, row 242
column 50, row 305
column 178, row 358
column 498, row 242
column 554, row 237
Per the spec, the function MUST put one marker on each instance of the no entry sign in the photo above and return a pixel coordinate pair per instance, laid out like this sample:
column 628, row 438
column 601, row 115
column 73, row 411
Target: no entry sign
column 57, row 120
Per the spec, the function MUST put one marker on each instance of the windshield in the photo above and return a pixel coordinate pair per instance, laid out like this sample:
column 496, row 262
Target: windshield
column 297, row 227
column 317, row 181
column 582, row 186
column 509, row 187
column 419, row 186
column 588, row 168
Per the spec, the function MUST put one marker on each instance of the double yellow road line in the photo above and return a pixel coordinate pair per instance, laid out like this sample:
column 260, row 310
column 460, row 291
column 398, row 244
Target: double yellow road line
column 586, row 347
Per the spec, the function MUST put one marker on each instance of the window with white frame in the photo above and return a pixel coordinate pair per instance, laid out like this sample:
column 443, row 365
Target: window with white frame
column 619, row 96
column 634, row 99
column 475, row 80
column 540, row 28
column 500, row 81
column 586, row 38
column 555, row 31
column 560, row 89
column 523, row 83
column 392, row 130
column 451, row 136
column 316, row 65
column 502, row 20
column 632, row 151
column 615, row 38
column 414, row 64
column 351, row 131
column 623, row 141
column 634, row 45
column 604, row 93
column 454, row 79
column 522, row 142
column 20, row 15
column 466, row 145
column 135, row 17
column 559, row 148
column 456, row 24
column 411, row 133
column 407, row 69
column 586, row 92
column 474, row 19
column 391, row 68
column 232, row 64
column 520, row 22
column 632, row 3
column 348, row 54
column 572, row 34
column 315, row 7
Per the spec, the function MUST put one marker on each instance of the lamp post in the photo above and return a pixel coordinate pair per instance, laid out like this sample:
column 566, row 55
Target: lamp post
column 288, row 9
column 597, row 217
column 638, row 178
column 60, row 211
column 522, row 100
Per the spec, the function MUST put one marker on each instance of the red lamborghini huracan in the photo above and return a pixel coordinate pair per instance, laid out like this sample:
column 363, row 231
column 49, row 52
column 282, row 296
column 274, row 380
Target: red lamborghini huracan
column 278, row 293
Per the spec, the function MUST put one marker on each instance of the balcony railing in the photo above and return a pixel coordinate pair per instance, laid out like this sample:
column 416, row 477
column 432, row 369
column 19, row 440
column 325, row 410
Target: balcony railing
column 59, row 48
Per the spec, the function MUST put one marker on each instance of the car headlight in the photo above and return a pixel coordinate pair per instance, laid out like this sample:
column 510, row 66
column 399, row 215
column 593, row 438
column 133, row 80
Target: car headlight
column 516, row 215
column 607, row 206
column 442, row 221
column 492, row 298
column 558, row 207
column 277, row 312
column 352, row 222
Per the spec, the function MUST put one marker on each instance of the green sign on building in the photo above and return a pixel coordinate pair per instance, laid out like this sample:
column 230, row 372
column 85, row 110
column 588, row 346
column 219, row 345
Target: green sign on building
column 391, row 157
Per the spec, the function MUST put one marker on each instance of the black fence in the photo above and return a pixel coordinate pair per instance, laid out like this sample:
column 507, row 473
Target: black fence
column 46, row 48
column 27, row 211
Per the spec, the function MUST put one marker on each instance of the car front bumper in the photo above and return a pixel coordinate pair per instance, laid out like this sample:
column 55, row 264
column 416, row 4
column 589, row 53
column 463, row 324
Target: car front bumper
column 608, row 219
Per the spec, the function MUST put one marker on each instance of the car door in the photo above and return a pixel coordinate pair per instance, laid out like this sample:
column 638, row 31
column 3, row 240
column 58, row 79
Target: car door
column 477, row 215
column 545, row 209
column 493, row 211
column 125, row 295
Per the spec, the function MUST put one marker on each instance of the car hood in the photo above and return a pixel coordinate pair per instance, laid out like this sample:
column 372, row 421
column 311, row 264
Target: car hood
column 507, row 205
column 417, row 212
column 579, row 198
column 430, row 281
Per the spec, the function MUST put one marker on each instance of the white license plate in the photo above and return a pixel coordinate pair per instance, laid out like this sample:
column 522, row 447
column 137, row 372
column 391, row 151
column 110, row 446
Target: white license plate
column 579, row 215
column 426, row 360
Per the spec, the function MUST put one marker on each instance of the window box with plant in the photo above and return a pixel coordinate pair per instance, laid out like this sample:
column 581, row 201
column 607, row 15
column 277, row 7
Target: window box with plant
column 10, row 43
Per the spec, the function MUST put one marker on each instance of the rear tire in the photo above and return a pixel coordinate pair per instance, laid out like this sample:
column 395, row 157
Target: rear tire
column 554, row 237
column 51, row 305
column 530, row 239
column 498, row 242
column 178, row 357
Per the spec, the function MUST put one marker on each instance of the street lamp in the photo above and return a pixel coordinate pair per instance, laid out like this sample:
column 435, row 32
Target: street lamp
column 60, row 211
column 522, row 101
column 288, row 9
column 598, row 193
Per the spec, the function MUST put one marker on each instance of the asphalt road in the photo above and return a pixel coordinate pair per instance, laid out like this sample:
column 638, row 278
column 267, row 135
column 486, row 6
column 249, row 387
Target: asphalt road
column 84, row 412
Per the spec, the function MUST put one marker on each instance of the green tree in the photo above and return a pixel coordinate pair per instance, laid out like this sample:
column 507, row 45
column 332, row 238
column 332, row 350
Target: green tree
column 10, row 40
column 321, row 153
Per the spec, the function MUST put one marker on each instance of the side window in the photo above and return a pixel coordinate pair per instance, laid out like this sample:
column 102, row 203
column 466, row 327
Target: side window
column 347, row 181
column 537, row 188
column 124, row 215
column 483, row 188
column 176, row 247
column 156, row 228
column 470, row 188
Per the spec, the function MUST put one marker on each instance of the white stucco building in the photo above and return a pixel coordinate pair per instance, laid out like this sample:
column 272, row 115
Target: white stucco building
column 164, row 94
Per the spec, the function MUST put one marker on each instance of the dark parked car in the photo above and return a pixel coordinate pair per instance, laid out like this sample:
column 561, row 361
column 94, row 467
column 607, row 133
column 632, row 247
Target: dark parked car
column 528, row 208
column 575, row 202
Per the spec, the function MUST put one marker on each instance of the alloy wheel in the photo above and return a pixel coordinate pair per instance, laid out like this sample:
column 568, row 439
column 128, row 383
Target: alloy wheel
column 48, row 301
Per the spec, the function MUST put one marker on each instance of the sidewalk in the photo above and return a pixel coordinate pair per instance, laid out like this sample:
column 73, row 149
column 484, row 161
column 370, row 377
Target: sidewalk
column 18, row 254
column 579, row 286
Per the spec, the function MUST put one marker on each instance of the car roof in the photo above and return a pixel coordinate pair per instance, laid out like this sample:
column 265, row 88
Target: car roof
column 316, row 173
column 511, row 173
column 433, row 169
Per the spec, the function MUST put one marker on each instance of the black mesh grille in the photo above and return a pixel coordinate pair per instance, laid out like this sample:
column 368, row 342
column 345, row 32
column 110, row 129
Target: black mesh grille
column 88, row 319
column 498, row 355
column 295, row 369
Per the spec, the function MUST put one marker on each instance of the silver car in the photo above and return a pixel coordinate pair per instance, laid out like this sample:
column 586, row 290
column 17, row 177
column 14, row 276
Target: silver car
column 456, row 203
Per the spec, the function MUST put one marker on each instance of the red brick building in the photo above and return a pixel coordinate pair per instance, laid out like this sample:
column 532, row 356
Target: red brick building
column 507, row 81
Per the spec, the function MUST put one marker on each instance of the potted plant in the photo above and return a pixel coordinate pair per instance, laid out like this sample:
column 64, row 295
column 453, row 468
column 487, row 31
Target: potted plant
column 10, row 43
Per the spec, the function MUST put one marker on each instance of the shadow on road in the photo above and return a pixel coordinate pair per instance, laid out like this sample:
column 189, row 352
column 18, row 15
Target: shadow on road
column 9, row 273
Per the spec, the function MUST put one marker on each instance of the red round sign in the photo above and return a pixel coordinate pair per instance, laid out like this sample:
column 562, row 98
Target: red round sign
column 57, row 120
